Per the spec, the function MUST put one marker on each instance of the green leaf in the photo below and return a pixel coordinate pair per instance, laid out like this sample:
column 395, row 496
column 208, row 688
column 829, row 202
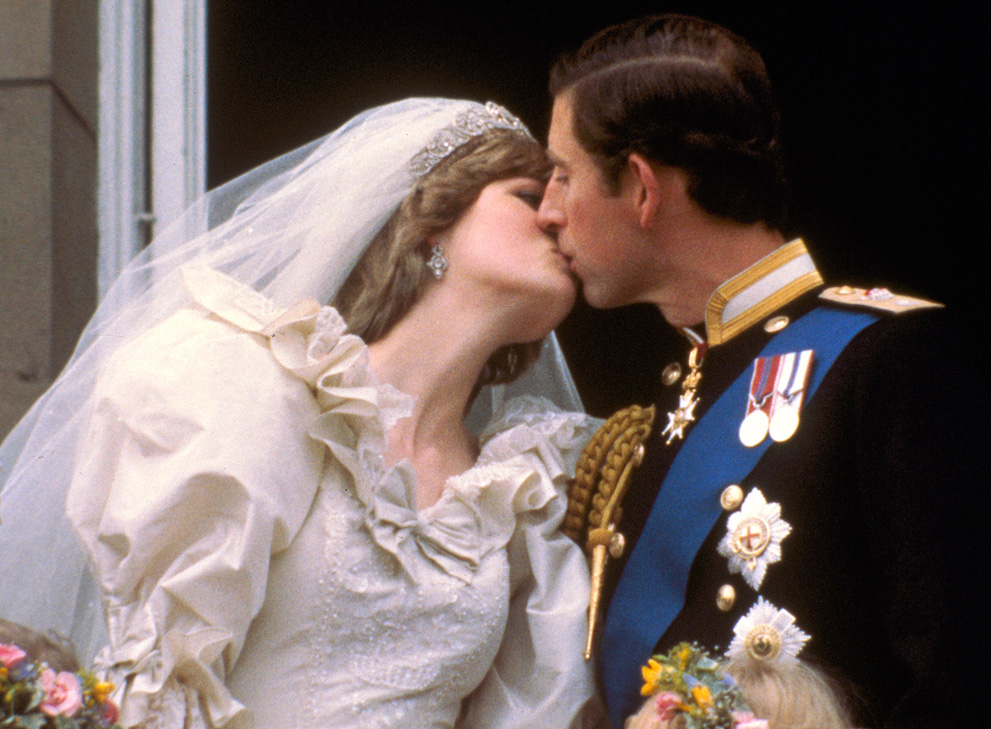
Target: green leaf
column 23, row 699
column 23, row 721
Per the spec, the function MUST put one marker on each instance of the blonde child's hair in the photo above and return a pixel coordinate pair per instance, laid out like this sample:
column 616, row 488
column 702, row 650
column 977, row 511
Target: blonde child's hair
column 791, row 696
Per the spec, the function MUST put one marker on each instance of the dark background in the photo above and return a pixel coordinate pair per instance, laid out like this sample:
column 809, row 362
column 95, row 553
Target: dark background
column 885, row 109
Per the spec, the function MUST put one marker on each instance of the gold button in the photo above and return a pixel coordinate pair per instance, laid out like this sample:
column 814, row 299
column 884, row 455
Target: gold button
column 776, row 324
column 671, row 373
column 617, row 544
column 844, row 290
column 731, row 497
column 725, row 598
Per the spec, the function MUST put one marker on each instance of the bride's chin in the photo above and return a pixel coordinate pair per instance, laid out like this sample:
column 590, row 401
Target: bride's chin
column 543, row 316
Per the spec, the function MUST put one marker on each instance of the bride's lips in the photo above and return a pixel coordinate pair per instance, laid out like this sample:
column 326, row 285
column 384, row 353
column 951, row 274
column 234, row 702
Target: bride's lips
column 565, row 259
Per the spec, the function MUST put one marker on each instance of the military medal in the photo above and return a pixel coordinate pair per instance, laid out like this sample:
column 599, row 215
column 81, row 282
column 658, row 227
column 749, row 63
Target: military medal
column 767, row 634
column 684, row 414
column 754, row 427
column 681, row 417
column 784, row 425
column 753, row 538
column 789, row 392
column 777, row 387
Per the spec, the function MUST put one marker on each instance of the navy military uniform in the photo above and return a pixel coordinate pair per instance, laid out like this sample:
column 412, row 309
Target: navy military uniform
column 879, row 483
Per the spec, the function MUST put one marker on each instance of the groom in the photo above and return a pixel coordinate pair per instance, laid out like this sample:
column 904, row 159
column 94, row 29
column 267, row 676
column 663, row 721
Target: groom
column 830, row 421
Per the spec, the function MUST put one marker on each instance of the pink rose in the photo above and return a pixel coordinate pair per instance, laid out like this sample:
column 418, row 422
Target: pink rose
column 11, row 655
column 667, row 705
column 746, row 720
column 110, row 712
column 63, row 694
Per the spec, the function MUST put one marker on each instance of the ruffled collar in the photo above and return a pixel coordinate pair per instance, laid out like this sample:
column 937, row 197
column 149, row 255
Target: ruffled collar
column 520, row 468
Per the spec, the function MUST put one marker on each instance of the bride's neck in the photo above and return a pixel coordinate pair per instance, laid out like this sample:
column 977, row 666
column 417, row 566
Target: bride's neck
column 435, row 353
column 435, row 357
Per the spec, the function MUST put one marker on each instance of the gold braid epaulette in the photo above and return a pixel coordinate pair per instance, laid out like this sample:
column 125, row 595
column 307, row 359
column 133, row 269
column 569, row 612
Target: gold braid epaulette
column 595, row 497
column 600, row 466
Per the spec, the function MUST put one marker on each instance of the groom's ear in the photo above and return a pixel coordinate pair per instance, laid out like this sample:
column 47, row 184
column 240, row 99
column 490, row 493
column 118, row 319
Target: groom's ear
column 646, row 190
column 654, row 187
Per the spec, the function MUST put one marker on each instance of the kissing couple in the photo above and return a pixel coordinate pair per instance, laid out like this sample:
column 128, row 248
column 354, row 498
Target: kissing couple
column 310, row 462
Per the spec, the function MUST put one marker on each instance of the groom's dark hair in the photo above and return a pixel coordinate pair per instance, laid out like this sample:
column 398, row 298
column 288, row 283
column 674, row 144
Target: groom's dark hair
column 683, row 92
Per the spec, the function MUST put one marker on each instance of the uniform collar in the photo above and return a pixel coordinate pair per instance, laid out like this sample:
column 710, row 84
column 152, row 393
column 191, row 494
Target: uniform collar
column 742, row 301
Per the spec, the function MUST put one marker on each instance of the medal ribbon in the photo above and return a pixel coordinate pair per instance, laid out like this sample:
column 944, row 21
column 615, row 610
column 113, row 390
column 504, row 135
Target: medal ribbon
column 761, row 384
column 793, row 376
column 651, row 589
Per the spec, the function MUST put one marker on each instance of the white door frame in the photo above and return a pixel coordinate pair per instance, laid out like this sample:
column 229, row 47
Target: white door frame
column 152, row 122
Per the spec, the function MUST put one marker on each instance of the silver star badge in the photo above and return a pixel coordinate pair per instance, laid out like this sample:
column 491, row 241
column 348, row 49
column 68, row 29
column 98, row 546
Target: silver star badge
column 768, row 634
column 753, row 537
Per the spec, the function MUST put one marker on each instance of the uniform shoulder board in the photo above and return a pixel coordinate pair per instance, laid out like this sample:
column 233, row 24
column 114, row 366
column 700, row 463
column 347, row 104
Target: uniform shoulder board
column 878, row 299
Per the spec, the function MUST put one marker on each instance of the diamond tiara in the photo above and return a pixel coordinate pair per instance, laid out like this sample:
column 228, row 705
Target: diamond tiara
column 467, row 125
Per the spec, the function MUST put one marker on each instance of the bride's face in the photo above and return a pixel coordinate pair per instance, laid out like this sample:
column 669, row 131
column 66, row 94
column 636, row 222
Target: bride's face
column 503, row 258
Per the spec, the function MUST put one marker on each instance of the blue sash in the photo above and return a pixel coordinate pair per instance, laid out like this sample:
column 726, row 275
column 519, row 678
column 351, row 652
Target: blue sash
column 651, row 590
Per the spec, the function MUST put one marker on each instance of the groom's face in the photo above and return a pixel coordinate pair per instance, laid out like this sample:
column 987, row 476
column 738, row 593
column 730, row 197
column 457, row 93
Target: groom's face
column 596, row 229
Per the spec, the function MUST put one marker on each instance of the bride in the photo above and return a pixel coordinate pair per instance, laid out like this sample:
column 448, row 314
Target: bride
column 288, row 521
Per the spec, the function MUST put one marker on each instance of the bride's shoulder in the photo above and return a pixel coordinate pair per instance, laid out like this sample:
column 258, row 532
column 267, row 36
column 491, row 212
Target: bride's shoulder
column 534, row 423
column 528, row 454
column 228, row 333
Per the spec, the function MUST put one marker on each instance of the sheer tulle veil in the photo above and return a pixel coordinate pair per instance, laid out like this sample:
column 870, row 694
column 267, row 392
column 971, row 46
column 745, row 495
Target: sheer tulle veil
column 291, row 229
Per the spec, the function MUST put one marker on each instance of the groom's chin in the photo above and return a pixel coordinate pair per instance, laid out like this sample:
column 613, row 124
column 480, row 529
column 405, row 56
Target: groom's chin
column 601, row 297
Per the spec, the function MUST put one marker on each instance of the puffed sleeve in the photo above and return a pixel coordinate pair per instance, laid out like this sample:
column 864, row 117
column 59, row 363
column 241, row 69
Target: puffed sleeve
column 197, row 468
column 540, row 677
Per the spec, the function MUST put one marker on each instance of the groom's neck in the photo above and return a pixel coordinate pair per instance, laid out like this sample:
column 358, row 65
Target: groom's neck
column 702, row 253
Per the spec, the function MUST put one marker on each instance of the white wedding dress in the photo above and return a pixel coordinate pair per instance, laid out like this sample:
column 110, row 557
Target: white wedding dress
column 262, row 567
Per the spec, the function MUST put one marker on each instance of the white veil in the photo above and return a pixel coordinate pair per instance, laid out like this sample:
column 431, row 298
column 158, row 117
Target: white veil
column 291, row 229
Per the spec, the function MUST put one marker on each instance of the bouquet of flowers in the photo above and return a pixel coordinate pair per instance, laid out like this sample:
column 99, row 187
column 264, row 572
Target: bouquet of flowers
column 689, row 682
column 33, row 696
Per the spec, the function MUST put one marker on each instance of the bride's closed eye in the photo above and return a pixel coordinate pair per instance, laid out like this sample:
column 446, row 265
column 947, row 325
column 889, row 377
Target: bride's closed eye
column 530, row 198
column 531, row 194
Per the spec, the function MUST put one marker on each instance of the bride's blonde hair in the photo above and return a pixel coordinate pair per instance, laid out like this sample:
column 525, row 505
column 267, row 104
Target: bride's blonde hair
column 392, row 273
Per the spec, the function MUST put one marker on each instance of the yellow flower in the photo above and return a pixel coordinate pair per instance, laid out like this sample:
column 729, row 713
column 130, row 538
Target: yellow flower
column 651, row 676
column 102, row 690
column 702, row 696
column 684, row 653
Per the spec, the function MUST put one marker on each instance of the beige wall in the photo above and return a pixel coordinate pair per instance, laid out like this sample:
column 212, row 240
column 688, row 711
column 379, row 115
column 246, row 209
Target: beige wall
column 48, row 242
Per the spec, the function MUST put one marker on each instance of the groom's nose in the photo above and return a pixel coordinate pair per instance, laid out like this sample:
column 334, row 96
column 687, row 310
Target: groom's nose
column 550, row 214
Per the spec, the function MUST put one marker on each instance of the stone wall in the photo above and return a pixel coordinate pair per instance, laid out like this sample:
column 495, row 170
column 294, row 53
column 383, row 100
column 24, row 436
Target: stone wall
column 48, row 238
